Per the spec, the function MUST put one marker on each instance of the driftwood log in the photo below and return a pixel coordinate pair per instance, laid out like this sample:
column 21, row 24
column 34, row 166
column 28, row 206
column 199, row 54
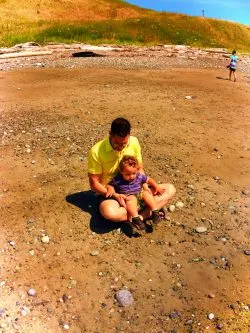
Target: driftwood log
column 24, row 54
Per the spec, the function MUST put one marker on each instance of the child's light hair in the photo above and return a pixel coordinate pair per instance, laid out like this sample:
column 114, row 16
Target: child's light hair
column 128, row 161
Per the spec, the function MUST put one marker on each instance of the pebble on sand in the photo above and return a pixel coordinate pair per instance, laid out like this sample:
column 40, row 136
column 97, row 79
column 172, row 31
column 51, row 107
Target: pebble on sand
column 94, row 253
column 211, row 316
column 31, row 292
column 124, row 297
column 179, row 204
column 247, row 252
column 66, row 327
column 45, row 239
column 219, row 326
column 171, row 208
column 201, row 229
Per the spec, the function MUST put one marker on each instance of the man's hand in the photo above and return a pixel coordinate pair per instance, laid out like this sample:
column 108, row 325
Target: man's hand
column 110, row 191
column 121, row 198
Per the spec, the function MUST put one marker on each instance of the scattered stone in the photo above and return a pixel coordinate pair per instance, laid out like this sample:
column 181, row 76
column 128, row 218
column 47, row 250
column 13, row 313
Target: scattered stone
column 219, row 326
column 65, row 298
column 201, row 229
column 245, row 192
column 197, row 259
column 174, row 314
column 247, row 252
column 31, row 292
column 179, row 204
column 188, row 97
column 24, row 311
column 211, row 316
column 66, row 327
column 232, row 209
column 124, row 297
column 171, row 208
column 223, row 239
column 211, row 295
column 94, row 253
column 12, row 243
column 45, row 239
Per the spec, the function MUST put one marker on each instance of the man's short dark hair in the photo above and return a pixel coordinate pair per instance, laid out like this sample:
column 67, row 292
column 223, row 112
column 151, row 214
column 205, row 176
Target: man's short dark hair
column 120, row 127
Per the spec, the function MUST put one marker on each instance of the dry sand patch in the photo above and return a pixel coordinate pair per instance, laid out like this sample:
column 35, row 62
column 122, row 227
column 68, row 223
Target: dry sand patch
column 49, row 120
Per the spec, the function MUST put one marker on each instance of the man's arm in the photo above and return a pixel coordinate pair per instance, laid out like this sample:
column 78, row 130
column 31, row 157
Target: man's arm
column 96, row 185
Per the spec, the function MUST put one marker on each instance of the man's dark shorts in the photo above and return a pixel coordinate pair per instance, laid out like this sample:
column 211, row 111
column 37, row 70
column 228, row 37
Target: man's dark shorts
column 232, row 69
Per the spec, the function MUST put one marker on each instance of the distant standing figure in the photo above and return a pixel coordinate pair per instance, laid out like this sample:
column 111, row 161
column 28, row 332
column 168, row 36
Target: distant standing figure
column 232, row 65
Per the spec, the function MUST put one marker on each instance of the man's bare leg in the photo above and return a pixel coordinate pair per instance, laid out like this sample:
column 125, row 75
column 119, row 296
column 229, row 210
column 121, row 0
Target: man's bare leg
column 111, row 210
column 161, row 200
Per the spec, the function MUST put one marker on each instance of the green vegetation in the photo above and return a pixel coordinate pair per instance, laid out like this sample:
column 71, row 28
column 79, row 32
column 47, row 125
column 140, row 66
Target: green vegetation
column 150, row 28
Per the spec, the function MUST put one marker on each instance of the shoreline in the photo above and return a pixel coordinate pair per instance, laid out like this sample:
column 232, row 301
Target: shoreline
column 123, row 57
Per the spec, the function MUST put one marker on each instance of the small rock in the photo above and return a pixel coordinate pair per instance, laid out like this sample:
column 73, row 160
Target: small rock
column 124, row 297
column 188, row 97
column 31, row 292
column 232, row 209
column 24, row 311
column 245, row 192
column 66, row 327
column 94, row 253
column 171, row 208
column 223, row 239
column 201, row 229
column 219, row 326
column 247, row 252
column 12, row 243
column 211, row 295
column 179, row 204
column 211, row 316
column 174, row 314
column 45, row 239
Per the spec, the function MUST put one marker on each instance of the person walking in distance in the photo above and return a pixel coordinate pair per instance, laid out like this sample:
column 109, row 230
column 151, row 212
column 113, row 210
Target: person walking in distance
column 232, row 65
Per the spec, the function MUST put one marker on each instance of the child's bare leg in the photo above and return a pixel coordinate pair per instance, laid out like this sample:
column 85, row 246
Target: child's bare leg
column 151, row 203
column 131, row 204
column 136, row 219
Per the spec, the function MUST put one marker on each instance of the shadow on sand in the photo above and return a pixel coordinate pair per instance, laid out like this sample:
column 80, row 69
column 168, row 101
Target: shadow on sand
column 87, row 201
column 221, row 78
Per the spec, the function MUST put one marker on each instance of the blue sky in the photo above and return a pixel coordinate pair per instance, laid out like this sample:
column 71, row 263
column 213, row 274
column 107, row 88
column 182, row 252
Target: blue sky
column 231, row 10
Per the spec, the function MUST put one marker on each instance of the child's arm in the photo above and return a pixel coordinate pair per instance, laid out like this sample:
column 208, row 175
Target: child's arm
column 155, row 187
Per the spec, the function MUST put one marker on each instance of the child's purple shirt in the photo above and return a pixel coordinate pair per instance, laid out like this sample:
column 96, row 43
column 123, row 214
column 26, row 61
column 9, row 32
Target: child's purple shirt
column 128, row 187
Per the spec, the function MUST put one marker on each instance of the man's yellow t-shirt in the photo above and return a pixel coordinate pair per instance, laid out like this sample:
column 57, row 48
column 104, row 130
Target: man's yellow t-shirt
column 104, row 160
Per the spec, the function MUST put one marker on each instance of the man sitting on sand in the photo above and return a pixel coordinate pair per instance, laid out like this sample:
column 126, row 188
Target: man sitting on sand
column 103, row 164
